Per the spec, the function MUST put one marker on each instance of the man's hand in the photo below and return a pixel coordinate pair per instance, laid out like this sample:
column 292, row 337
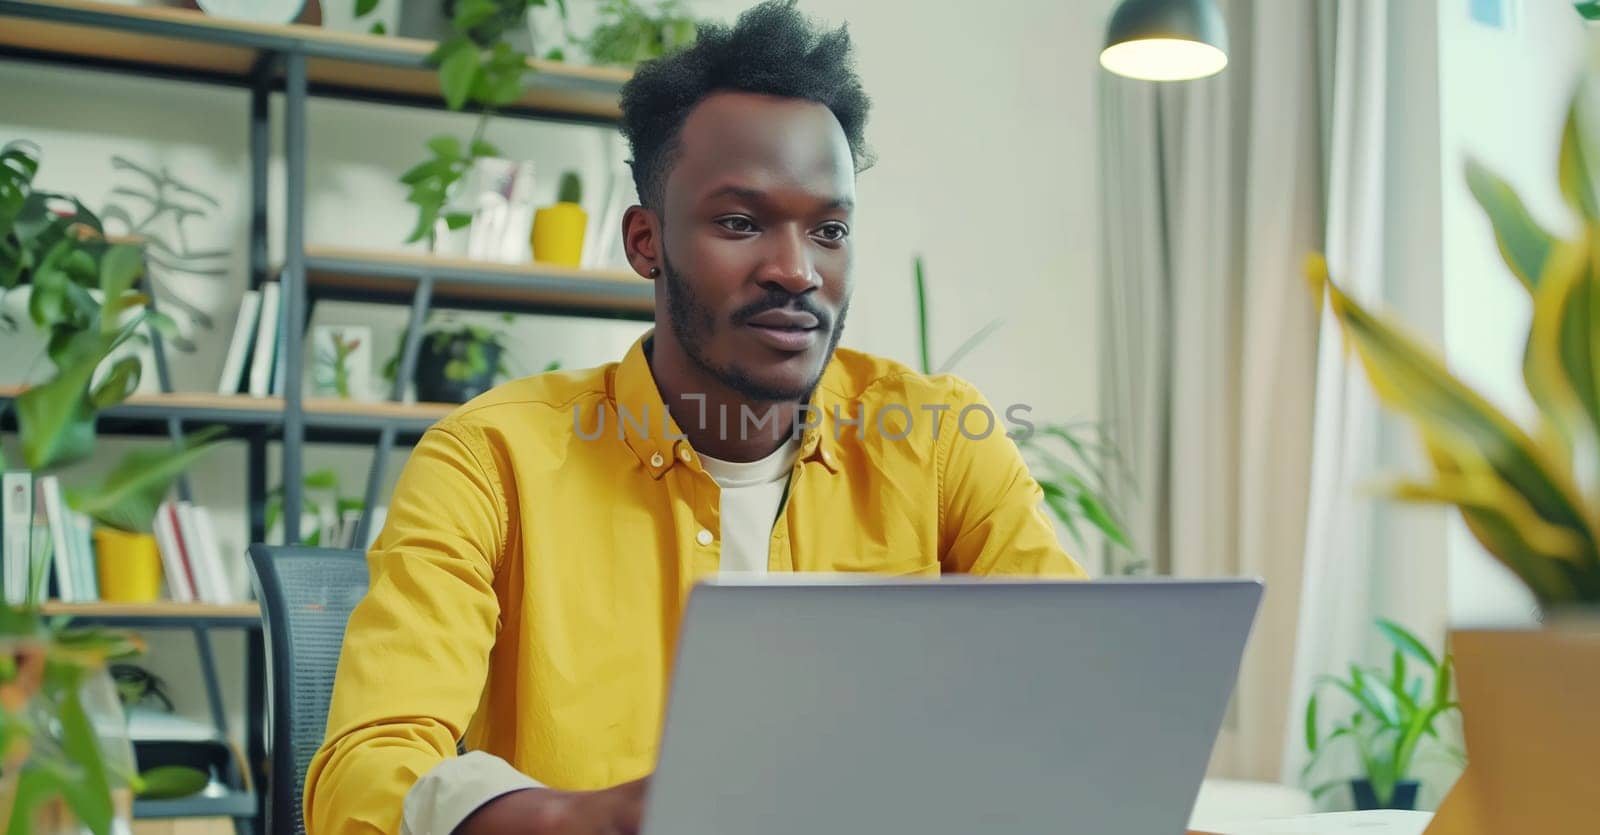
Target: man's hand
column 614, row 811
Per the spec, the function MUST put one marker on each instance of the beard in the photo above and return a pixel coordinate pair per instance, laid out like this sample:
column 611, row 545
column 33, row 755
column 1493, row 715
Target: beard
column 693, row 324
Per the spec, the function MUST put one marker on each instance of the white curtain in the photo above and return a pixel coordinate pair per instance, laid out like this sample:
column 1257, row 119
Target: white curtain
column 1365, row 557
column 1213, row 197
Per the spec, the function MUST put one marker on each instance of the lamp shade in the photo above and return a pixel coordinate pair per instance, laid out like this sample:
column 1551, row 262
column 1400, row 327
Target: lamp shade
column 1166, row 40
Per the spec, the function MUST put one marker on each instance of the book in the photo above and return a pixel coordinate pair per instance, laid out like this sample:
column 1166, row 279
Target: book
column 180, row 583
column 211, row 554
column 244, row 332
column 87, row 581
column 16, row 528
column 49, row 497
column 266, row 343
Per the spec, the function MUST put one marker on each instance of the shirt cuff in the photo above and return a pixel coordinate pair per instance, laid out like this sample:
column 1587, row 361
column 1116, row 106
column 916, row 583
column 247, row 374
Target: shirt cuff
column 456, row 788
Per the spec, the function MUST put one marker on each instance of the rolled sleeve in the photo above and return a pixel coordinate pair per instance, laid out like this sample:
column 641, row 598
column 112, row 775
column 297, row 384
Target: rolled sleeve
column 456, row 788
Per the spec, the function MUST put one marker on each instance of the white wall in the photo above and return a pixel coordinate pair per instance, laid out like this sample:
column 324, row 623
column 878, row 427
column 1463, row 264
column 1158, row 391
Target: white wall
column 983, row 123
column 1503, row 98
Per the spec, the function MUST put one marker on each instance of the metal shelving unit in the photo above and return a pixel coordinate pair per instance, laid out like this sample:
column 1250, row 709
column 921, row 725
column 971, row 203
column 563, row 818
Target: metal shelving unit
column 297, row 63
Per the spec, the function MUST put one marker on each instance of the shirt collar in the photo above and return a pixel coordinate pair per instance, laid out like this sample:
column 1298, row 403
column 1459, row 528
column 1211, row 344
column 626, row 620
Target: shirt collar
column 656, row 438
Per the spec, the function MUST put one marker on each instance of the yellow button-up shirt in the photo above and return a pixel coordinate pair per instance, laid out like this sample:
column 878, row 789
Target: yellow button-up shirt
column 543, row 539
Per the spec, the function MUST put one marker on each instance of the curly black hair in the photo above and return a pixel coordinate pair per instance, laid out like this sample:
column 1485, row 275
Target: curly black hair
column 771, row 50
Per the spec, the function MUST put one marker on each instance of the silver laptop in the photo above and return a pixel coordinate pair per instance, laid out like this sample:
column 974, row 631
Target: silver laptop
column 806, row 704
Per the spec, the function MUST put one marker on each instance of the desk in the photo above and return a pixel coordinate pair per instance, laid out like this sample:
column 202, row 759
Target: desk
column 1335, row 823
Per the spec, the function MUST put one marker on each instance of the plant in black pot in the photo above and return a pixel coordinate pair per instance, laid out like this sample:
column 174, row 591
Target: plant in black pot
column 1394, row 716
column 456, row 361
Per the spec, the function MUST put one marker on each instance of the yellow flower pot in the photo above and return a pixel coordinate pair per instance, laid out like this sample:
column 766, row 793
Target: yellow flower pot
column 558, row 232
column 128, row 565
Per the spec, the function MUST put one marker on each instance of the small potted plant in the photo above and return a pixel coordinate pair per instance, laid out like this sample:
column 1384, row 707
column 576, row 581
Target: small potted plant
column 1393, row 714
column 558, row 229
column 457, row 360
column 123, row 506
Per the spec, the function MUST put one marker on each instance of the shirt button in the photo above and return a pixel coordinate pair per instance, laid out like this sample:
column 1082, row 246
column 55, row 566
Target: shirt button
column 703, row 537
column 656, row 460
column 683, row 455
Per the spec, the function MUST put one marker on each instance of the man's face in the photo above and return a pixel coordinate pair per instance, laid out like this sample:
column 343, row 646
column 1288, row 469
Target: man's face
column 756, row 247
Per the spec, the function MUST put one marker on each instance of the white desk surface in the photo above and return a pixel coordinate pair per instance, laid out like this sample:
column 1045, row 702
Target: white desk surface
column 1336, row 823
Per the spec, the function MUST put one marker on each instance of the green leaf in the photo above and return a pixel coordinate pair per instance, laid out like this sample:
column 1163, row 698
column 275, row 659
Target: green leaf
column 89, row 797
column 128, row 498
column 480, row 148
column 1524, row 244
column 365, row 7
column 1441, row 681
column 1311, row 724
column 446, row 148
column 457, row 73
column 971, row 343
column 921, row 288
column 119, row 382
column 1098, row 516
column 168, row 782
column 37, row 783
column 378, row 29
column 54, row 420
column 472, row 13
column 119, row 269
column 1575, row 168
column 1406, row 642
column 457, row 220
column 322, row 480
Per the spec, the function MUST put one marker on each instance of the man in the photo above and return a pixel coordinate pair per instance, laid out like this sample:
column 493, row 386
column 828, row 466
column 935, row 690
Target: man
column 543, row 539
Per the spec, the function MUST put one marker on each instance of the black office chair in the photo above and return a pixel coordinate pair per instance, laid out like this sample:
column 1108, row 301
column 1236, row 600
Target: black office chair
column 306, row 597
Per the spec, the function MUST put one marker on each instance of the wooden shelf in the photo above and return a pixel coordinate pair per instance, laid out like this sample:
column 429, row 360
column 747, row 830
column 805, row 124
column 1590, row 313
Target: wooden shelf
column 159, row 610
column 330, row 420
column 182, row 42
column 533, row 287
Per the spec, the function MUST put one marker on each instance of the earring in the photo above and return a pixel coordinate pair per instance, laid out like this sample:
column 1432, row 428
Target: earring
column 655, row 271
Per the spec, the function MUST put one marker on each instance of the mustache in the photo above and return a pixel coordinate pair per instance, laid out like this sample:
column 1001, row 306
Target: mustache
column 783, row 301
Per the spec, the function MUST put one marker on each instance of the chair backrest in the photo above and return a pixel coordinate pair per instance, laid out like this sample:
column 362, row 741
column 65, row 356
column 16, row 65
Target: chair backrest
column 306, row 597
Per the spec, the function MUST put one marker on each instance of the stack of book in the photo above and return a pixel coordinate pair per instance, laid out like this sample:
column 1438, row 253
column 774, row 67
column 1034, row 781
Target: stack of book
column 38, row 530
column 191, row 557
column 252, row 365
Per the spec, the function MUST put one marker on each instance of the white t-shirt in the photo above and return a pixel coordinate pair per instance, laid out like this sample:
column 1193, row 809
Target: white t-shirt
column 752, row 496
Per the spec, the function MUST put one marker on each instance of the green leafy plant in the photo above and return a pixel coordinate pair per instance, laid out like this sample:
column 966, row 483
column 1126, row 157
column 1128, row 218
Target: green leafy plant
column 1527, row 494
column 1068, row 460
column 316, row 484
column 83, row 294
column 477, row 66
column 445, row 331
column 48, row 738
column 333, row 365
column 628, row 33
column 1392, row 713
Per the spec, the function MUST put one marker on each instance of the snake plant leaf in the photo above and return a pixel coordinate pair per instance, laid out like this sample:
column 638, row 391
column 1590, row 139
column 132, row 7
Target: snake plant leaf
column 1557, row 366
column 1415, row 382
column 1523, row 242
column 1508, row 528
column 1579, row 162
